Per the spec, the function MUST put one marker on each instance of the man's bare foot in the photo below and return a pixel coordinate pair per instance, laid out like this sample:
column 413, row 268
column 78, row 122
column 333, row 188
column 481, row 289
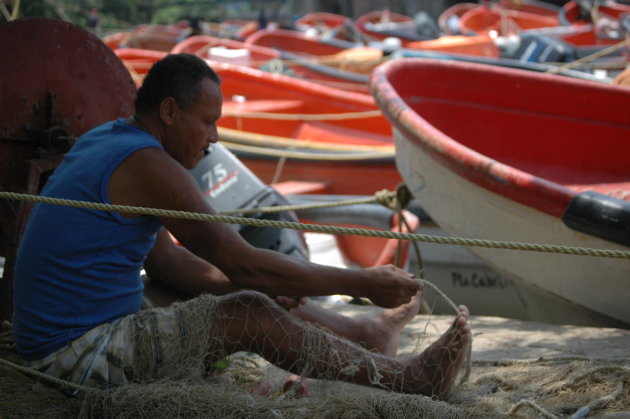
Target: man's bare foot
column 294, row 383
column 433, row 372
column 381, row 333
column 298, row 385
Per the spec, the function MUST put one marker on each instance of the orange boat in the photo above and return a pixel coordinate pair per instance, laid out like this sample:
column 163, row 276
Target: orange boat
column 298, row 43
column 275, row 59
column 139, row 61
column 503, row 20
column 573, row 14
column 449, row 19
column 330, row 25
column 321, row 21
column 601, row 26
column 381, row 24
column 334, row 62
column 283, row 128
column 226, row 50
column 481, row 45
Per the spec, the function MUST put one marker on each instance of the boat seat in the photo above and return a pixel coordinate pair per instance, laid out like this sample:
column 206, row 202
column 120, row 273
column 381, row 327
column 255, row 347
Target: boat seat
column 329, row 133
column 263, row 105
column 293, row 187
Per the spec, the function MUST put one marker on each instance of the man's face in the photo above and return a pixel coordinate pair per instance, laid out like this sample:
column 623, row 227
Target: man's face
column 194, row 128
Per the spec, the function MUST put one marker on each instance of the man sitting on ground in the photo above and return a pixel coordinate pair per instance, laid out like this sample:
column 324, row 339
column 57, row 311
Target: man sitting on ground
column 78, row 290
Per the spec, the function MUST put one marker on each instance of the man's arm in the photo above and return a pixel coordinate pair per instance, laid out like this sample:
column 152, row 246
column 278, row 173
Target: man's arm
column 176, row 267
column 151, row 178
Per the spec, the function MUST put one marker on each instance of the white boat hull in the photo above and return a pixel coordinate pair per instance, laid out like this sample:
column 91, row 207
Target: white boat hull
column 569, row 289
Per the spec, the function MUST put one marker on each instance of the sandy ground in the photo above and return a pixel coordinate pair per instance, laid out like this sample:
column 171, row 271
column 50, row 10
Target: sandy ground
column 494, row 338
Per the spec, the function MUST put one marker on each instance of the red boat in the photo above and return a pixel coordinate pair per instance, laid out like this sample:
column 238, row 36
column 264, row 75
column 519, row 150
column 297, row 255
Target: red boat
column 481, row 45
column 381, row 24
column 333, row 62
column 480, row 18
column 512, row 155
column 226, row 50
column 322, row 22
column 139, row 61
column 600, row 26
column 503, row 20
column 283, row 128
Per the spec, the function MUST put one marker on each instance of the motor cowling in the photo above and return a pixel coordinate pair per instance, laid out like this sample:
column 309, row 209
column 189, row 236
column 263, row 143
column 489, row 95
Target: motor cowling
column 228, row 184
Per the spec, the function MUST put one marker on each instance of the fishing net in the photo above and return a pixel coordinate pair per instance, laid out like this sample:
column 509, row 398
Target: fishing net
column 548, row 386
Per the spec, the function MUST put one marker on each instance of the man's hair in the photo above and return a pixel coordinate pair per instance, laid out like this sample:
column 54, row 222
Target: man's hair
column 178, row 76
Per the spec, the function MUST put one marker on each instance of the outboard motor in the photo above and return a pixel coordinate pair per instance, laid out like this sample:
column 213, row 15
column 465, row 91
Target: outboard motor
column 539, row 49
column 228, row 184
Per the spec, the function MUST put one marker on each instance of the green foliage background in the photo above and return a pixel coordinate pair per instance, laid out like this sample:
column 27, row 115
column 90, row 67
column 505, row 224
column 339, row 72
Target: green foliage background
column 122, row 14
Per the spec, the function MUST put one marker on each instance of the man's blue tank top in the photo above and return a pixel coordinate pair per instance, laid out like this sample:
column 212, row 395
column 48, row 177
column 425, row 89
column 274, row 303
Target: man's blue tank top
column 78, row 268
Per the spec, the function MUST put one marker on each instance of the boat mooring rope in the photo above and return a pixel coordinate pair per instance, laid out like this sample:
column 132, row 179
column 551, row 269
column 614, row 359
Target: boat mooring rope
column 306, row 155
column 591, row 57
column 395, row 200
column 304, row 117
column 46, row 377
column 507, row 245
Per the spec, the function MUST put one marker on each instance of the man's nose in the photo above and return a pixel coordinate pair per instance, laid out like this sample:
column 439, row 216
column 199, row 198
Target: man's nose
column 213, row 135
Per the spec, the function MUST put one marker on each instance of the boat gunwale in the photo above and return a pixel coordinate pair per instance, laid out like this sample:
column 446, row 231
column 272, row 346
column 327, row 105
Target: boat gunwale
column 526, row 188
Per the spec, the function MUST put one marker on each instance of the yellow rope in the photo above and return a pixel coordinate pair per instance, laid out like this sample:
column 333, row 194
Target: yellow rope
column 253, row 138
column 304, row 117
column 590, row 57
column 46, row 377
column 316, row 205
column 306, row 155
column 507, row 245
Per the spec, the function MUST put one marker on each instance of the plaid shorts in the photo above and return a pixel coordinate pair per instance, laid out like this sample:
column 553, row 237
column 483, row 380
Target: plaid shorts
column 145, row 345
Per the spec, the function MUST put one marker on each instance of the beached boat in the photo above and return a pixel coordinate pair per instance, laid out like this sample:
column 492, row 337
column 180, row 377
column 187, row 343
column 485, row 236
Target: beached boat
column 600, row 26
column 506, row 13
column 478, row 45
column 502, row 62
column 283, row 128
column 299, row 43
column 359, row 250
column 154, row 37
column 378, row 25
column 448, row 20
column 322, row 22
column 226, row 50
column 489, row 158
column 229, row 185
column 572, row 13
column 272, row 56
column 503, row 20
column 330, row 25
column 139, row 61
column 333, row 62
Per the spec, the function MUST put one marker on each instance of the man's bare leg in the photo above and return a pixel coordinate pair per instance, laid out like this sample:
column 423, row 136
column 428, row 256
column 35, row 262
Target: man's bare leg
column 379, row 333
column 250, row 321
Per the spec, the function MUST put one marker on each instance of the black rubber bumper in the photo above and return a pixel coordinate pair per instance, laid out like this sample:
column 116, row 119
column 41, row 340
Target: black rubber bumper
column 599, row 215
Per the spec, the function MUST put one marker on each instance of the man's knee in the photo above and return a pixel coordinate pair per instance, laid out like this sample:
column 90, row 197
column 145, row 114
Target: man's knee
column 250, row 299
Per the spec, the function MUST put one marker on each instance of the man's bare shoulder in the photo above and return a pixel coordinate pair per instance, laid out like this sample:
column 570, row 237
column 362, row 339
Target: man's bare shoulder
column 151, row 177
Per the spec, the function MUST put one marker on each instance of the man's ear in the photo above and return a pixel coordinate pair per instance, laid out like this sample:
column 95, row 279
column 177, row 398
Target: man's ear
column 167, row 110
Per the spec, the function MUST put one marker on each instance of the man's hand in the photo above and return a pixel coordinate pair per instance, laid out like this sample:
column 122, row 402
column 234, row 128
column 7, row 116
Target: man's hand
column 388, row 286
